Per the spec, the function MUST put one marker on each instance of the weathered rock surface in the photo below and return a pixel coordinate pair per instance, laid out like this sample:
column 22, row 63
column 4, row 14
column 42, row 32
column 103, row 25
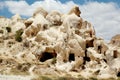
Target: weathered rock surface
column 116, row 40
column 56, row 44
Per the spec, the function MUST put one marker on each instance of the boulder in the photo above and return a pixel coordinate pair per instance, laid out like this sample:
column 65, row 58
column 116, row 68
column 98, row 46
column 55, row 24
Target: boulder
column 41, row 11
column 54, row 18
column 75, row 10
column 115, row 40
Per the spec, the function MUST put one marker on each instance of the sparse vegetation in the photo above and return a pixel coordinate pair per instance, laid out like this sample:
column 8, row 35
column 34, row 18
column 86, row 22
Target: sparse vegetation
column 42, row 78
column 21, row 69
column 118, row 78
column 54, row 60
column 8, row 29
column 56, row 46
column 18, row 35
column 15, row 71
column 62, row 78
column 45, row 78
column 93, row 78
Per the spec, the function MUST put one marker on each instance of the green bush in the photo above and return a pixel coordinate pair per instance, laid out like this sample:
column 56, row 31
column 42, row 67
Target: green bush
column 18, row 35
column 53, row 60
column 118, row 78
column 92, row 78
column 8, row 29
column 62, row 78
column 45, row 78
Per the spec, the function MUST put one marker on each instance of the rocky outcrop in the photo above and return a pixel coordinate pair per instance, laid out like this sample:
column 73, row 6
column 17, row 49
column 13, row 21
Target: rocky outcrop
column 116, row 40
column 54, row 43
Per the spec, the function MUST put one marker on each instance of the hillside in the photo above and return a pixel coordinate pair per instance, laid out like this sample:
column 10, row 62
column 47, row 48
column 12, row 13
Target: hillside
column 56, row 45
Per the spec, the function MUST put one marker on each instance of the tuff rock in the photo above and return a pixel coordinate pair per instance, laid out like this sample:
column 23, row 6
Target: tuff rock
column 53, row 43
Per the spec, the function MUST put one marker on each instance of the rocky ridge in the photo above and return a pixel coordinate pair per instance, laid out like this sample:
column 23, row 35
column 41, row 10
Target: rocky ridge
column 56, row 44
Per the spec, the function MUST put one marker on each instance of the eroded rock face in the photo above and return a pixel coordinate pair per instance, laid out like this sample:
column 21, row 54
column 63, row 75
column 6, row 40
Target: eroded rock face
column 41, row 11
column 54, row 18
column 75, row 10
column 116, row 40
column 59, row 43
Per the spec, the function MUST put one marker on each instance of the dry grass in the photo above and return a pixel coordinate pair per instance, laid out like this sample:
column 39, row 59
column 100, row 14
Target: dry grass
column 67, row 78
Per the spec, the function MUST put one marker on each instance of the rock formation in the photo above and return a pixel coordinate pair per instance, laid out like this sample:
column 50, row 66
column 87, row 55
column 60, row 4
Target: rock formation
column 56, row 44
column 116, row 40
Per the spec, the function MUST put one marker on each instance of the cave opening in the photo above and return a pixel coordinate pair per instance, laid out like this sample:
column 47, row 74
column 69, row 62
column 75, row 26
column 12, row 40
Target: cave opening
column 89, row 43
column 99, row 48
column 71, row 57
column 86, row 58
column 115, row 54
column 118, row 74
column 47, row 55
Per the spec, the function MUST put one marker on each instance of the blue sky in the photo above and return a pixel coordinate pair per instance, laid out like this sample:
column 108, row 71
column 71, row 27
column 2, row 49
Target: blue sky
column 103, row 14
column 78, row 1
column 8, row 14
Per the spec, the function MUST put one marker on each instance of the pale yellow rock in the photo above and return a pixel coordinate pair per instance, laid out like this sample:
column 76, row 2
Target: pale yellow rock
column 56, row 44
column 54, row 18
column 4, row 22
column 116, row 40
column 106, row 72
column 16, row 18
column 17, row 26
column 28, row 22
column 100, row 46
column 81, row 41
column 94, row 55
column 72, row 21
column 75, row 10
column 41, row 11
column 75, row 48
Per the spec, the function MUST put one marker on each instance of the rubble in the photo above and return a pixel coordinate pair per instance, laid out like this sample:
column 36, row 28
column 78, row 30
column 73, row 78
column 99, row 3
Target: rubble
column 53, row 43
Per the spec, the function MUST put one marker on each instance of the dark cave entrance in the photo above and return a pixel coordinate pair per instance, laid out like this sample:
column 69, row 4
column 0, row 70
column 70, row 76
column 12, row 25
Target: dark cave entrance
column 89, row 43
column 99, row 48
column 71, row 57
column 47, row 55
column 118, row 75
column 115, row 54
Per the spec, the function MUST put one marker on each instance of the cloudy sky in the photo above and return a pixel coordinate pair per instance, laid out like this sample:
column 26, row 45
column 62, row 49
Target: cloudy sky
column 103, row 14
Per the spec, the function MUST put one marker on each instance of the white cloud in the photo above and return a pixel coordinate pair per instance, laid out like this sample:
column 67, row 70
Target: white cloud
column 23, row 8
column 2, row 4
column 105, row 17
column 20, row 7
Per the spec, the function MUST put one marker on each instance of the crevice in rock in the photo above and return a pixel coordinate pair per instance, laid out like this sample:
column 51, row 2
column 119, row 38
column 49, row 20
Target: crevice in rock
column 105, row 60
column 86, row 58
